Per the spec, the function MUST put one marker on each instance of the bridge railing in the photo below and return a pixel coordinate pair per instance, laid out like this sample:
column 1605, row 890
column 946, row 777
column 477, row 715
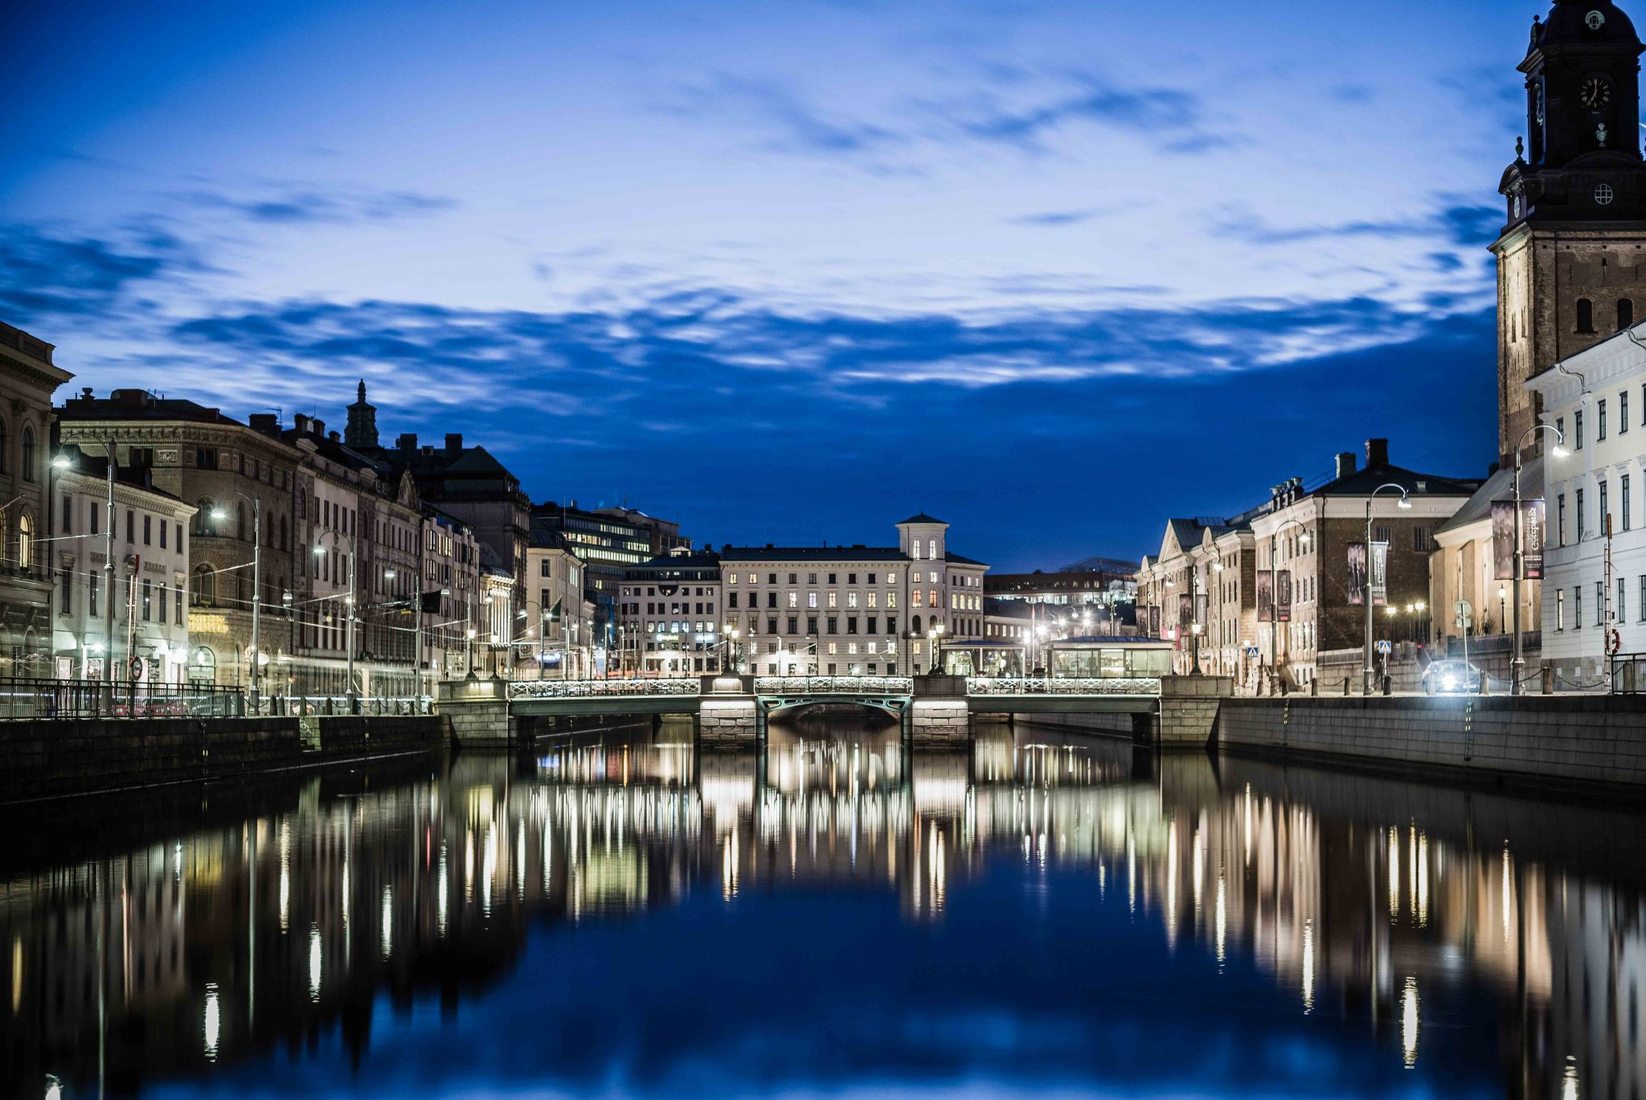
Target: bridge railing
column 834, row 685
column 1049, row 685
column 604, row 689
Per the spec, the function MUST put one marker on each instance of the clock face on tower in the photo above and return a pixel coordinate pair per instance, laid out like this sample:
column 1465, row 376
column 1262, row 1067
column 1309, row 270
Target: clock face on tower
column 1595, row 92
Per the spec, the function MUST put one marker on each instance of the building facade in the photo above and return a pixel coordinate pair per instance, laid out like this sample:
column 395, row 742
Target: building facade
column 149, row 626
column 669, row 613
column 857, row 610
column 558, row 619
column 1286, row 581
column 28, row 378
column 1594, row 590
column 1102, row 592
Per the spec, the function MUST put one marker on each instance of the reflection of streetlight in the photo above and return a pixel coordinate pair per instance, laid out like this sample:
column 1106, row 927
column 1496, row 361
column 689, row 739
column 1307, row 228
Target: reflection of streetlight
column 1405, row 503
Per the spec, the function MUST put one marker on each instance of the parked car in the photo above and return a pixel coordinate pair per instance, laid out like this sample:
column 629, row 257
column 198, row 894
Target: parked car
column 1452, row 677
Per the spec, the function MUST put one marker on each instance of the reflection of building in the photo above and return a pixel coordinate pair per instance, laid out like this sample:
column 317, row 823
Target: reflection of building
column 150, row 576
column 27, row 380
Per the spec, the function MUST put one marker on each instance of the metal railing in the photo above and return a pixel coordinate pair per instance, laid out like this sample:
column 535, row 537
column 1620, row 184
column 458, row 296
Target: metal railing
column 304, row 705
column 1050, row 685
column 1628, row 673
column 834, row 685
column 603, row 689
column 32, row 699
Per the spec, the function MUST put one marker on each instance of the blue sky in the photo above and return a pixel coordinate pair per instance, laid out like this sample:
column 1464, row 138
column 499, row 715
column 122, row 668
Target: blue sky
column 789, row 272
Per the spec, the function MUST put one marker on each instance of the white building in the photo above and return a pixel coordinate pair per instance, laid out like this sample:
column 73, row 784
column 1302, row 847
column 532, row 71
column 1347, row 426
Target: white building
column 151, row 572
column 852, row 610
column 669, row 616
column 556, row 627
column 1597, row 401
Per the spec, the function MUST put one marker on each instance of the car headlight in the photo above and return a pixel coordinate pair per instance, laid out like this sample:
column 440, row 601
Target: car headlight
column 1451, row 682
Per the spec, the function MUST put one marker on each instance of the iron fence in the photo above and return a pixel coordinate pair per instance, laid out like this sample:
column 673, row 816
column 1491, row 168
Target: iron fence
column 1629, row 673
column 1045, row 685
column 32, row 699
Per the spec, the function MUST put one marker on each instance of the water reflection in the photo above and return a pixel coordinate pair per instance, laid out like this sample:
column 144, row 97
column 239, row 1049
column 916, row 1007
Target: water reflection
column 1071, row 914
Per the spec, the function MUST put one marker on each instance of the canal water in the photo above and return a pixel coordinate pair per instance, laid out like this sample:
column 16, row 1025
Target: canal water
column 1040, row 915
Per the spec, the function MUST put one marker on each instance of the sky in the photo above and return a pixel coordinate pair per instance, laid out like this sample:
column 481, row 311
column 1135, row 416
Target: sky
column 788, row 272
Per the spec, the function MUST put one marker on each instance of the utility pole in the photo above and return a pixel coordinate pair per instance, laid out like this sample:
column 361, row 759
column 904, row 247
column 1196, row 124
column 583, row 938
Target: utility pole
column 108, row 587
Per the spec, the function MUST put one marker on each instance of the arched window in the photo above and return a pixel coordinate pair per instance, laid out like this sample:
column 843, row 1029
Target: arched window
column 28, row 452
column 1625, row 313
column 916, row 626
column 5, row 452
column 1585, row 315
column 25, row 533
column 202, row 517
column 240, row 522
column 931, row 549
column 203, row 586
column 282, row 532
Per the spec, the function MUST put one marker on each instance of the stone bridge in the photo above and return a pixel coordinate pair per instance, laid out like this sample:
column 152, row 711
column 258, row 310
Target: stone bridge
column 934, row 709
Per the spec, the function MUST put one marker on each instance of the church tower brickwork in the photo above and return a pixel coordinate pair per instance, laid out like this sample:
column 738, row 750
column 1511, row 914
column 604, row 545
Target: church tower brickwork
column 1571, row 261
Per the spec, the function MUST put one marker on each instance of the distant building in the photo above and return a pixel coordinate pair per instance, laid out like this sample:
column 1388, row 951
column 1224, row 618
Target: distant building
column 669, row 615
column 609, row 542
column 558, row 619
column 852, row 610
column 1102, row 592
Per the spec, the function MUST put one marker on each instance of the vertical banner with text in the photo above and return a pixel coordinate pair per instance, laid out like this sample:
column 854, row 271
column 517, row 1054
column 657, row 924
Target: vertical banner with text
column 1356, row 580
column 1283, row 595
column 1265, row 597
column 1380, row 574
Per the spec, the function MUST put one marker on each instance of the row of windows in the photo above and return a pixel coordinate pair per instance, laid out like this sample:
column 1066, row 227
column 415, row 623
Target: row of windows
column 1619, row 611
column 831, row 623
column 1625, row 313
column 831, row 599
column 1604, row 512
column 151, row 598
column 1602, row 421
column 154, row 528
column 834, row 578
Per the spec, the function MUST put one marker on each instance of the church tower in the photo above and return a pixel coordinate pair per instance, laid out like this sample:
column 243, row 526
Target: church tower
column 361, row 430
column 1571, row 261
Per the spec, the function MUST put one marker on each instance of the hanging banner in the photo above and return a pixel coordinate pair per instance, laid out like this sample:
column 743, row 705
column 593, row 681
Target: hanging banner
column 1356, row 580
column 1503, row 540
column 1265, row 597
column 1531, row 539
column 1283, row 597
column 1185, row 610
column 1380, row 574
column 1154, row 622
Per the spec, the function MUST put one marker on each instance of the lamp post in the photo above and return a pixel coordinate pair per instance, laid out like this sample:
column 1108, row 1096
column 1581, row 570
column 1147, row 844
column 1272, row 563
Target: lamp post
column 1194, row 619
column 348, row 645
column 1366, row 653
column 219, row 514
column 1274, row 591
column 468, row 650
column 1517, row 664
column 108, row 586
column 934, row 634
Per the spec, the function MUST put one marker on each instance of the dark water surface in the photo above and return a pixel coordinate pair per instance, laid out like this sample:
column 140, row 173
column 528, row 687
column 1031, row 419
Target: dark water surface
column 1043, row 915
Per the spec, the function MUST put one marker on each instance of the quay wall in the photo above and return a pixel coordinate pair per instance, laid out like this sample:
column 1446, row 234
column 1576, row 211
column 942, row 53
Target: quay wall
column 1547, row 742
column 53, row 758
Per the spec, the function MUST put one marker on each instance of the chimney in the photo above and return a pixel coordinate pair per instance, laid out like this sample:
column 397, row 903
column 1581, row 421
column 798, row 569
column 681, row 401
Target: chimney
column 319, row 426
column 406, row 441
column 300, row 423
column 263, row 422
column 454, row 442
column 334, row 436
column 1377, row 453
column 1345, row 463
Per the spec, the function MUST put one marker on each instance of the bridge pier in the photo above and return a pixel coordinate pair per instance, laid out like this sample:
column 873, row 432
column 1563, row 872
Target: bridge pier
column 479, row 712
column 1188, row 710
column 939, row 713
column 729, row 723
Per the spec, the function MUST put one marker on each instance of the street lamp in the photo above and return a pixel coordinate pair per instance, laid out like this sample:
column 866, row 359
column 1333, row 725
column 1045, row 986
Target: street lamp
column 1517, row 665
column 541, row 616
column 219, row 514
column 1404, row 503
column 934, row 634
column 1274, row 592
column 320, row 552
column 1194, row 618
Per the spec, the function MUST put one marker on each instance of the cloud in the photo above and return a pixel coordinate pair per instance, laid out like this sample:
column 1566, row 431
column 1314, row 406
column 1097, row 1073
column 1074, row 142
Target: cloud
column 1464, row 224
column 1056, row 217
column 803, row 126
column 312, row 205
column 46, row 274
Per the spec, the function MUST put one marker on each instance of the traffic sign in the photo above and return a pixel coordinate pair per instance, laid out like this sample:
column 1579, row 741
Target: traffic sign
column 1385, row 648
